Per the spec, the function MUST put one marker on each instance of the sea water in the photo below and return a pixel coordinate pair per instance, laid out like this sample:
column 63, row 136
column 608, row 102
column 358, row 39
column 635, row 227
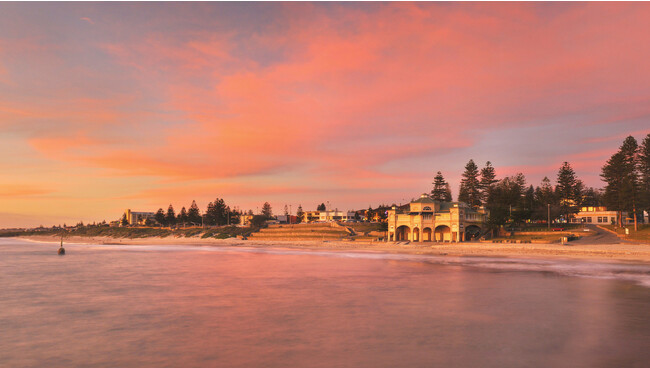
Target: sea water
column 192, row 306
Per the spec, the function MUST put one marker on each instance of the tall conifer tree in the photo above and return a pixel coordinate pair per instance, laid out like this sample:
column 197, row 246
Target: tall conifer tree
column 194, row 215
column 441, row 191
column 182, row 216
column 644, row 171
column 160, row 217
column 470, row 186
column 567, row 190
column 266, row 210
column 299, row 213
column 621, row 173
column 170, row 219
column 488, row 179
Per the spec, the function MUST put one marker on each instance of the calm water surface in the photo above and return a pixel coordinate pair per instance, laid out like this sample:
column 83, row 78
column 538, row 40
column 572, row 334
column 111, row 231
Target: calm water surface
column 166, row 306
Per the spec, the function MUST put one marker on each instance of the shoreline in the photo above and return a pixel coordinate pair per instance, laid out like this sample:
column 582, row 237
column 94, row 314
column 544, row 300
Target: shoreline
column 625, row 252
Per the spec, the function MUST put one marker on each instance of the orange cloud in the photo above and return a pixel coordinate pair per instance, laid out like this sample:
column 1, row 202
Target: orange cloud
column 351, row 98
column 21, row 190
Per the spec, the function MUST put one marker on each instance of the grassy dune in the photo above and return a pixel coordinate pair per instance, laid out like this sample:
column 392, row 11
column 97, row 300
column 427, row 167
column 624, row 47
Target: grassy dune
column 139, row 232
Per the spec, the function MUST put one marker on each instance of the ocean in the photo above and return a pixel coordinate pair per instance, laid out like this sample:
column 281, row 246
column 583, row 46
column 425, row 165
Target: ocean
column 200, row 306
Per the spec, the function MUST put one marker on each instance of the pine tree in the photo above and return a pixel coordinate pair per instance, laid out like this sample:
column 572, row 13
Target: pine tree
column 488, row 179
column 528, row 204
column 160, row 217
column 170, row 219
column 470, row 186
column 631, row 185
column 447, row 194
column 266, row 210
column 299, row 213
column 592, row 197
column 286, row 210
column 124, row 222
column 182, row 217
column 621, row 174
column 217, row 213
column 441, row 191
column 546, row 201
column 194, row 214
column 567, row 190
column 644, row 177
column 506, row 201
column 321, row 207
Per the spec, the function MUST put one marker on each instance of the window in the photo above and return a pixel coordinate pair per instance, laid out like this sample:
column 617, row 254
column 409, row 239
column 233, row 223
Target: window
column 589, row 219
column 600, row 220
column 426, row 208
column 426, row 216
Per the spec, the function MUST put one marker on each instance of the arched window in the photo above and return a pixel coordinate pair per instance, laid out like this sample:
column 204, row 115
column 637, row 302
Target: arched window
column 426, row 208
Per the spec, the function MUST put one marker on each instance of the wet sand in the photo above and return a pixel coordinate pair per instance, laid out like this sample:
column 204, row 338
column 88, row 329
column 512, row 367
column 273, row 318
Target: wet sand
column 633, row 252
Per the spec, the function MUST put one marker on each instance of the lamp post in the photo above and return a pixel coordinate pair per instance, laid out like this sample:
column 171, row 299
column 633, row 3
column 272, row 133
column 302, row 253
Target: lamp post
column 549, row 216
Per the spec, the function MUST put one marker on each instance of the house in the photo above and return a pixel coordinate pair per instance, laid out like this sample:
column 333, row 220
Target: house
column 428, row 220
column 599, row 216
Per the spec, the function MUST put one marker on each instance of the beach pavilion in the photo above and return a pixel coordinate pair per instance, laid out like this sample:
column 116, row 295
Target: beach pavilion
column 427, row 220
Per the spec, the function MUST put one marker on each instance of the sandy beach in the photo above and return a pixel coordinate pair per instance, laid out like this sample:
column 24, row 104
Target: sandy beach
column 623, row 251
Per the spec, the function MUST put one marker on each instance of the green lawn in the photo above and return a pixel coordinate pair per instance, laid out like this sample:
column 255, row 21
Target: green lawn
column 643, row 234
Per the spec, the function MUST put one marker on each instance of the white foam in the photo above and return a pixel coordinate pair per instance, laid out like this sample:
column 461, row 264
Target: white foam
column 637, row 273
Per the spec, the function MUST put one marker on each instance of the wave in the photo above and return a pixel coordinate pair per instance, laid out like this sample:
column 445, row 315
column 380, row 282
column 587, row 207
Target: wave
column 636, row 273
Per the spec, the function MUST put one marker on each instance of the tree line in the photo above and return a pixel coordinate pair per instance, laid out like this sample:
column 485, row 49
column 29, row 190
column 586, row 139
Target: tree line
column 511, row 200
column 216, row 214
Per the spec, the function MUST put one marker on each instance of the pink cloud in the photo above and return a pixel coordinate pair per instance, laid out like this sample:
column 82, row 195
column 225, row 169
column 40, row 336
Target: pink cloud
column 351, row 98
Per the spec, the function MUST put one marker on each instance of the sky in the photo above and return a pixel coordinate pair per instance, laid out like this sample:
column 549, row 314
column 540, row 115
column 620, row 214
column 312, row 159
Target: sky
column 108, row 106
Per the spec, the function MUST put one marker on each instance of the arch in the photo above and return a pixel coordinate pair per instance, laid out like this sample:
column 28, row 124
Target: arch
column 472, row 232
column 402, row 233
column 426, row 208
column 427, row 235
column 442, row 233
column 416, row 234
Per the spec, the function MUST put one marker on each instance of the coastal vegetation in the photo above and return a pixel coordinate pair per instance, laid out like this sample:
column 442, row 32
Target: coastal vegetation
column 512, row 202
column 136, row 232
column 627, row 174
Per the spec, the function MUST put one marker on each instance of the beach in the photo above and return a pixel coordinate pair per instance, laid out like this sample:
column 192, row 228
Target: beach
column 245, row 304
column 623, row 251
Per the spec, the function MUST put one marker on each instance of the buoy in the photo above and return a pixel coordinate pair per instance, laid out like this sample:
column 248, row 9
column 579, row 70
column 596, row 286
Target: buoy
column 61, row 251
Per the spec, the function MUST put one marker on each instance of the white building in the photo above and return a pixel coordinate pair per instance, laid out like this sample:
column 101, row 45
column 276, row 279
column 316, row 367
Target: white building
column 599, row 216
column 138, row 218
column 328, row 216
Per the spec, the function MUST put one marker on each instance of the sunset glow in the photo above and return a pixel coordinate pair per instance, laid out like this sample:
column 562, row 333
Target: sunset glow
column 108, row 106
